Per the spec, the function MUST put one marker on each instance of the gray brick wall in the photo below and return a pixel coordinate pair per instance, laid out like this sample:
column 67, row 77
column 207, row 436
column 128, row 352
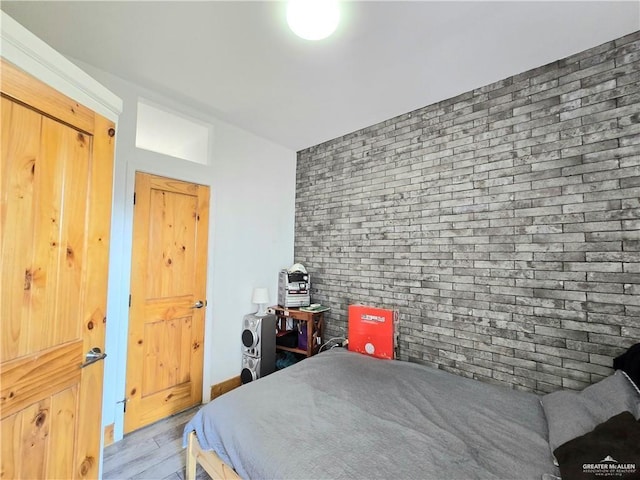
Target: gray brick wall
column 503, row 224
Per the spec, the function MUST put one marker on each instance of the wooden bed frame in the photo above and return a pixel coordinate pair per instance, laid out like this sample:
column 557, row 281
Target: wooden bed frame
column 208, row 460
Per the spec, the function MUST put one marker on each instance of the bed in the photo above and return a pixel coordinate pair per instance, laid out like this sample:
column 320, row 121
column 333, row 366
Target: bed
column 344, row 415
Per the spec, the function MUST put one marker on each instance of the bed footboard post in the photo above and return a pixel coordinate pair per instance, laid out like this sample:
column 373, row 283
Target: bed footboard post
column 191, row 458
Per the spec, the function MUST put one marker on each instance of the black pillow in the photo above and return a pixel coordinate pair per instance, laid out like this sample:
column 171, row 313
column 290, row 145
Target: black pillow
column 611, row 450
column 629, row 362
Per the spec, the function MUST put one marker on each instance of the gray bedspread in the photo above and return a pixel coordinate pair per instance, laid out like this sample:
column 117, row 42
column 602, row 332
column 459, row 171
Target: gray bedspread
column 343, row 415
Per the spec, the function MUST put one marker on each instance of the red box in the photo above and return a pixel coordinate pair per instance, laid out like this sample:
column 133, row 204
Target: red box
column 372, row 331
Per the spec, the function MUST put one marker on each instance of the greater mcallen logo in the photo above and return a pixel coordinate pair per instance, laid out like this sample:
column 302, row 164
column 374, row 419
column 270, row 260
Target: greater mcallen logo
column 609, row 467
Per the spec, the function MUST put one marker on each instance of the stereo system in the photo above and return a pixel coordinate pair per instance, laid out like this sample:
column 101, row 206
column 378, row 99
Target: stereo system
column 294, row 288
column 258, row 347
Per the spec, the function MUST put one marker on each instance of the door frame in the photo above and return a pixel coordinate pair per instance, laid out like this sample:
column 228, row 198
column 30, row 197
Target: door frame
column 120, row 267
column 38, row 59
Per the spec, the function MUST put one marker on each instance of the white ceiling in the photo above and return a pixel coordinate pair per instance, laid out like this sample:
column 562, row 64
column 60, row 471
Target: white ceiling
column 238, row 61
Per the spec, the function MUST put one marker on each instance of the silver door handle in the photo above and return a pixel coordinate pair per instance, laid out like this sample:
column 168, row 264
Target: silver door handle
column 198, row 304
column 93, row 355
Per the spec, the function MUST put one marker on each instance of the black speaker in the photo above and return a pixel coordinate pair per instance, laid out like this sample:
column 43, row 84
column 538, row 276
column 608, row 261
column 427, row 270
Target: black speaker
column 258, row 347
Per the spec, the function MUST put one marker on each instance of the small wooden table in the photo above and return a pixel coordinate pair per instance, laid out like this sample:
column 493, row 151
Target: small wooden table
column 314, row 327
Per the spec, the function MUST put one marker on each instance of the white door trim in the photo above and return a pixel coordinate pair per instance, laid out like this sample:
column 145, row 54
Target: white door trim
column 26, row 51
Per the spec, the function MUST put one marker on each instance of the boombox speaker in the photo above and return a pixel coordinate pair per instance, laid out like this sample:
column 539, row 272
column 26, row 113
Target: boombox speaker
column 258, row 347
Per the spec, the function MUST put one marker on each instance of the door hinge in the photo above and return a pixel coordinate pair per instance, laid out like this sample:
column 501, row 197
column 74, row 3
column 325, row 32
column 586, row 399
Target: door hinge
column 124, row 404
column 129, row 300
column 134, row 198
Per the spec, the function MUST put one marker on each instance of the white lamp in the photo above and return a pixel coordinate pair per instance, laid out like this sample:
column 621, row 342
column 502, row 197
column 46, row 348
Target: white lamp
column 261, row 298
column 313, row 19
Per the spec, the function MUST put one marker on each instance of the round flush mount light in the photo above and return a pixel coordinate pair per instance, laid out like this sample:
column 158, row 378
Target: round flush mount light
column 313, row 19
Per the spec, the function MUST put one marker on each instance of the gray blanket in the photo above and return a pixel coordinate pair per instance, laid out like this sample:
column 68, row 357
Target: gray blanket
column 343, row 415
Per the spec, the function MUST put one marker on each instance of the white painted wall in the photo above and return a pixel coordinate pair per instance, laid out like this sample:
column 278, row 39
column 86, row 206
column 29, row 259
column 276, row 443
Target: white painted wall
column 251, row 222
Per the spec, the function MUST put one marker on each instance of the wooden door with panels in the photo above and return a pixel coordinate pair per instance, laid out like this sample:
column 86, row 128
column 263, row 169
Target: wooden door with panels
column 168, row 286
column 56, row 180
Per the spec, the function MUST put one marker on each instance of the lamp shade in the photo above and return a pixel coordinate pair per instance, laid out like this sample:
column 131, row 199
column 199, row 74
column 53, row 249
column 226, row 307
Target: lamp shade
column 260, row 295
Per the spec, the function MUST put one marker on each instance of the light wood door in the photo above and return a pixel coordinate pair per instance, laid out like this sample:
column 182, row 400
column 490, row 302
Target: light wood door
column 168, row 282
column 56, row 180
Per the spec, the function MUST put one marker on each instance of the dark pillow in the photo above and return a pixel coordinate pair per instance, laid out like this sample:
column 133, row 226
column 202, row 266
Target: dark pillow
column 629, row 362
column 611, row 450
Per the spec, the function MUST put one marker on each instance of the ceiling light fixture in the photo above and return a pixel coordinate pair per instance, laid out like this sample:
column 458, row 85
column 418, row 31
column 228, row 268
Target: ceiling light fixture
column 313, row 19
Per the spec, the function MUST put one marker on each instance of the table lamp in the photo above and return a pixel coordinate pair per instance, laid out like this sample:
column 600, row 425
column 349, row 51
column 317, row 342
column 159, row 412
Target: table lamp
column 261, row 298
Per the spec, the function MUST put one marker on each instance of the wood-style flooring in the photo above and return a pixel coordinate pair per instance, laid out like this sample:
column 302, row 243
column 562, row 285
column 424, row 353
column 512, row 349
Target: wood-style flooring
column 153, row 452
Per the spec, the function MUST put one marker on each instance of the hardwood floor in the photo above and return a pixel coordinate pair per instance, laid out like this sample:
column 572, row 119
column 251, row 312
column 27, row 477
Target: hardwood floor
column 153, row 452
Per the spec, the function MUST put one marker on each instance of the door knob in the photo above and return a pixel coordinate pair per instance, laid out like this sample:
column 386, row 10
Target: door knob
column 198, row 304
column 93, row 355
